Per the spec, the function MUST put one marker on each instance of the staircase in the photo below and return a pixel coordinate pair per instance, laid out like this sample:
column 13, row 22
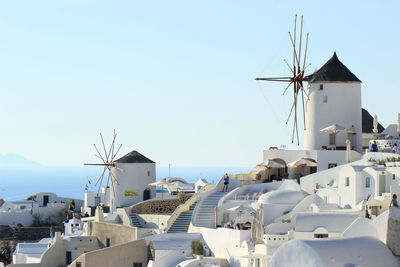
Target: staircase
column 181, row 224
column 135, row 220
column 205, row 213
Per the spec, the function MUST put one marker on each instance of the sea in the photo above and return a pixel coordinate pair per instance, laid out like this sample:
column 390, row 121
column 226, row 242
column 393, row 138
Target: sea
column 19, row 183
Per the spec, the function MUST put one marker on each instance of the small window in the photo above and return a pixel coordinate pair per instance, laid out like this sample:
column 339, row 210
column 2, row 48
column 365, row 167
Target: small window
column 108, row 242
column 78, row 264
column 347, row 181
column 325, row 99
column 367, row 182
column 321, row 87
column 148, row 173
column 394, row 177
column 320, row 235
column 332, row 165
column 137, row 264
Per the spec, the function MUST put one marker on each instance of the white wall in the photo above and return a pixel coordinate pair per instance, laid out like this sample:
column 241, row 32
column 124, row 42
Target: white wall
column 228, row 244
column 29, row 252
column 154, row 220
column 273, row 211
column 90, row 198
column 275, row 240
column 323, row 178
column 131, row 176
column 349, row 194
column 80, row 244
column 310, row 235
column 343, row 107
column 53, row 198
column 329, row 195
column 55, row 254
column 24, row 217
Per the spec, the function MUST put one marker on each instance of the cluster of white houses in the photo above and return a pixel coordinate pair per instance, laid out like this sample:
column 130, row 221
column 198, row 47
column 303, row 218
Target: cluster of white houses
column 20, row 212
column 326, row 205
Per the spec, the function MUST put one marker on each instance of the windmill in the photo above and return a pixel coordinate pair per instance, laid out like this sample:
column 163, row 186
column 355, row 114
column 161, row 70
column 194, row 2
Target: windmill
column 107, row 156
column 297, row 69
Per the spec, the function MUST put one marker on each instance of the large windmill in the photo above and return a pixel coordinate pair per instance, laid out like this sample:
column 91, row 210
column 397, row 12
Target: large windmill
column 128, row 177
column 107, row 156
column 297, row 69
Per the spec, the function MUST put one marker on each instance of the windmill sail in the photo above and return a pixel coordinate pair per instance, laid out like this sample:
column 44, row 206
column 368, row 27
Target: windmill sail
column 107, row 156
column 297, row 69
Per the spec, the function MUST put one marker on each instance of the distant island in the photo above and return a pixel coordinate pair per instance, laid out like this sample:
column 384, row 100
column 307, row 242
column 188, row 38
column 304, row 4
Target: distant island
column 12, row 161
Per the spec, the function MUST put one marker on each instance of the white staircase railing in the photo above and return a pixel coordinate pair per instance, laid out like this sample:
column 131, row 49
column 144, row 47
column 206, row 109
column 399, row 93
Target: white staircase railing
column 233, row 183
column 186, row 206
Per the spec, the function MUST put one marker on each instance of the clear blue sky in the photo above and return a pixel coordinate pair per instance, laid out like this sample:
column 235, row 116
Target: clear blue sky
column 176, row 78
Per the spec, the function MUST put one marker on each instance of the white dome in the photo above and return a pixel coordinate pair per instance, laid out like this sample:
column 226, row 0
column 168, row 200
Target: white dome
column 281, row 197
column 290, row 184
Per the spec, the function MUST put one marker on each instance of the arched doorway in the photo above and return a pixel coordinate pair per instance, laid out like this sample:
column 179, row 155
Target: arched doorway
column 146, row 194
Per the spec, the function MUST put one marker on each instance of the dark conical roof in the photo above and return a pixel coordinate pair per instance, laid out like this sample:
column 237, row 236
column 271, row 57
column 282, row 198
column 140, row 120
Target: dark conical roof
column 368, row 123
column 333, row 71
column 134, row 157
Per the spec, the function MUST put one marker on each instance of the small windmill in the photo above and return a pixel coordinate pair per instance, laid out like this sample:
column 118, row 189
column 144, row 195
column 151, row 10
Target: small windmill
column 108, row 162
column 298, row 68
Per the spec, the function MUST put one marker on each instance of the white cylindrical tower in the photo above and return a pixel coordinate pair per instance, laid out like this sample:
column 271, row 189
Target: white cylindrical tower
column 133, row 172
column 334, row 98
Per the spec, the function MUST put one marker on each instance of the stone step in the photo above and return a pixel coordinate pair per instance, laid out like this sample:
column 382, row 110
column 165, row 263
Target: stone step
column 181, row 224
column 208, row 219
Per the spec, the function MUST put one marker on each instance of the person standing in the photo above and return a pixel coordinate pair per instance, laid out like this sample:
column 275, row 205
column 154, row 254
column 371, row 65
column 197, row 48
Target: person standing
column 393, row 203
column 374, row 147
column 226, row 183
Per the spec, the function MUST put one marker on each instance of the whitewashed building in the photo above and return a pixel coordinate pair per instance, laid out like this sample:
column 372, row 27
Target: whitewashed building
column 43, row 203
column 357, row 251
column 133, row 172
column 129, row 184
column 334, row 98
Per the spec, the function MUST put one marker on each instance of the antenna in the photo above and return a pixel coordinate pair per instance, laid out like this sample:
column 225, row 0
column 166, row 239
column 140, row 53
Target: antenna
column 107, row 156
column 298, row 69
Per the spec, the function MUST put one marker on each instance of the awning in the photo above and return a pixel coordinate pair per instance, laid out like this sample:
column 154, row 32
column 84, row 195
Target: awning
column 270, row 164
column 302, row 163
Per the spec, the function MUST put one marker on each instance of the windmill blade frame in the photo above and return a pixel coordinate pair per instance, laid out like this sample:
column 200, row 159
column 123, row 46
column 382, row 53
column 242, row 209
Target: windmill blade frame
column 298, row 77
column 107, row 162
